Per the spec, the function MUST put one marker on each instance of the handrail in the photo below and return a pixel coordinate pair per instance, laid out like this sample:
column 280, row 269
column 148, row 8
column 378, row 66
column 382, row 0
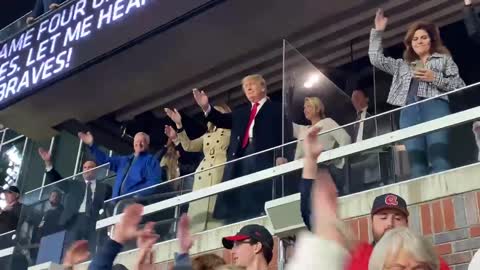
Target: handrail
column 5, row 233
column 296, row 141
column 392, row 137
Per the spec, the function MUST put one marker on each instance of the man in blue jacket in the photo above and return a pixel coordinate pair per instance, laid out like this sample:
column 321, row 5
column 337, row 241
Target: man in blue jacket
column 134, row 172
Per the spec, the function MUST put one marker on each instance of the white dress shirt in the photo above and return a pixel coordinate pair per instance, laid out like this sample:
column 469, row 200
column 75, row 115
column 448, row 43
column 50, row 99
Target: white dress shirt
column 260, row 104
column 475, row 262
column 361, row 125
column 84, row 202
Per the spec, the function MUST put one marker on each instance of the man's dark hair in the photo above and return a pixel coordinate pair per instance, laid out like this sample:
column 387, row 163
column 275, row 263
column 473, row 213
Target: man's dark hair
column 362, row 91
column 266, row 251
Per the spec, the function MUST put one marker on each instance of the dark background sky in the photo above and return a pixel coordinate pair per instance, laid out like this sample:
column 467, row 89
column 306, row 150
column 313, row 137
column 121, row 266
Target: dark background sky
column 13, row 9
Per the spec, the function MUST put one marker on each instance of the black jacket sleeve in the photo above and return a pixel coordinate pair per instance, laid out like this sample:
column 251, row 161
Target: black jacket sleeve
column 104, row 258
column 53, row 176
column 220, row 120
column 472, row 22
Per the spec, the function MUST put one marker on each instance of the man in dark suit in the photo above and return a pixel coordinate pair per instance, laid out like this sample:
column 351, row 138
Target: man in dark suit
column 83, row 201
column 254, row 127
column 364, row 166
column 363, row 130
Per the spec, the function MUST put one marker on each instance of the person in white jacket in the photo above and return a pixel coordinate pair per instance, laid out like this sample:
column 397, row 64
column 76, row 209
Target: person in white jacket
column 475, row 263
column 327, row 247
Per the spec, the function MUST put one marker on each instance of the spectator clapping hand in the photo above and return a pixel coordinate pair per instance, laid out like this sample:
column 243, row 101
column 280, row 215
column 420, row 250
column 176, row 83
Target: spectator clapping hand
column 171, row 133
column 184, row 236
column 468, row 2
column 201, row 98
column 46, row 156
column 145, row 242
column 86, row 138
column 77, row 253
column 128, row 229
column 175, row 116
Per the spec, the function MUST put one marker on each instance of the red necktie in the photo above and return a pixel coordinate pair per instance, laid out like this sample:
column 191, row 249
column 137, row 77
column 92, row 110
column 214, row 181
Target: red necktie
column 253, row 112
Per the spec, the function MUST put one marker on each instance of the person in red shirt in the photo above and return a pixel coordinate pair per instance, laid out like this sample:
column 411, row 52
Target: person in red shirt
column 389, row 211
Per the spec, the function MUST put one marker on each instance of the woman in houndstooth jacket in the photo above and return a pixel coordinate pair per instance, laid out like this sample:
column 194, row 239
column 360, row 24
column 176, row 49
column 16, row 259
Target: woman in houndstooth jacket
column 426, row 70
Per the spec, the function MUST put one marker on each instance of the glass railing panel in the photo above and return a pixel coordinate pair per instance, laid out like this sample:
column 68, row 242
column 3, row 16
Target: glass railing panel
column 55, row 215
column 371, row 162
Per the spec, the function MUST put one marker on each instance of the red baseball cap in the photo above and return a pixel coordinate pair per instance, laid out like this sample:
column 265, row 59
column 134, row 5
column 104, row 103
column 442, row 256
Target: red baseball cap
column 389, row 201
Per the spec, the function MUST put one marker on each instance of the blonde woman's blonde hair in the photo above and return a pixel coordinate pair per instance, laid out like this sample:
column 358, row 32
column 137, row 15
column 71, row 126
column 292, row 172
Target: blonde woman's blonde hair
column 256, row 77
column 317, row 104
column 403, row 240
column 170, row 162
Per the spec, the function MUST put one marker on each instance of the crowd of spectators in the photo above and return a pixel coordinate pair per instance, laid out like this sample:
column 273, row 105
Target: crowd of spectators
column 426, row 70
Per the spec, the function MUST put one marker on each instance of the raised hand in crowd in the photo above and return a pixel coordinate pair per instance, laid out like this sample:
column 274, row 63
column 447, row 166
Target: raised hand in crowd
column 46, row 156
column 86, row 137
column 77, row 253
column 171, row 133
column 145, row 242
column 312, row 150
column 468, row 2
column 175, row 116
column 128, row 229
column 202, row 99
column 380, row 20
column 185, row 239
column 324, row 192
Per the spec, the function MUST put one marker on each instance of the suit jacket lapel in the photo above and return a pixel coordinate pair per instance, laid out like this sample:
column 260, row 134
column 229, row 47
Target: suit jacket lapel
column 263, row 109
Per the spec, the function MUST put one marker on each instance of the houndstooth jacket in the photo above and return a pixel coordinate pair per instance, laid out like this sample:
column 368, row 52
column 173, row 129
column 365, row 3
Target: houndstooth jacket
column 447, row 77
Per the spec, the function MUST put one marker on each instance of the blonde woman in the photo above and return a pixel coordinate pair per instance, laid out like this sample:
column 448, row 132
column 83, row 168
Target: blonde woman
column 214, row 145
column 401, row 248
column 314, row 111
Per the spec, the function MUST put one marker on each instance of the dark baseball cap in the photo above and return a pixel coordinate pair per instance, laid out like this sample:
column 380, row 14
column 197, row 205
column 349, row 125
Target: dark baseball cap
column 389, row 201
column 254, row 232
column 12, row 189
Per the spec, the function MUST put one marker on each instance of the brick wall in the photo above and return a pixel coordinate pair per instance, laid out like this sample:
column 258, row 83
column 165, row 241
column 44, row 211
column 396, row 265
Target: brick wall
column 451, row 223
